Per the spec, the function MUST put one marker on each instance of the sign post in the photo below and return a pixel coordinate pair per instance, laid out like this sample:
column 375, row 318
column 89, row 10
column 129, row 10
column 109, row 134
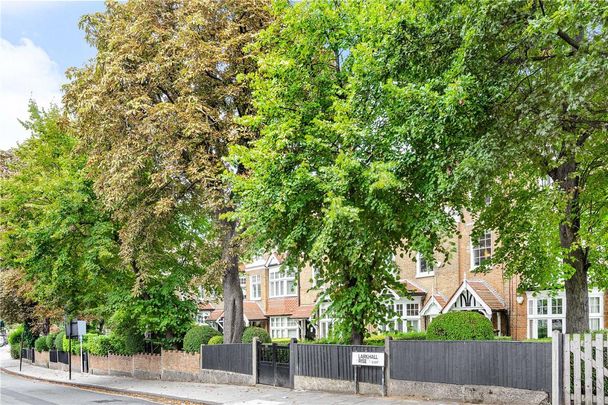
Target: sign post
column 74, row 330
column 367, row 359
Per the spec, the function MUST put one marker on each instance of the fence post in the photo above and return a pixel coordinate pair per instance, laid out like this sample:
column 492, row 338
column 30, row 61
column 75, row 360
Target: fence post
column 200, row 357
column 293, row 360
column 387, row 364
column 556, row 368
column 254, row 360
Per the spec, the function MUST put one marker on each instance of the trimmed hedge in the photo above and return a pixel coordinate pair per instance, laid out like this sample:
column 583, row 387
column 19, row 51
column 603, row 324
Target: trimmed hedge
column 216, row 340
column 40, row 344
column 378, row 340
column 59, row 340
column 50, row 340
column 460, row 325
column 14, row 337
column 100, row 345
column 198, row 335
column 254, row 331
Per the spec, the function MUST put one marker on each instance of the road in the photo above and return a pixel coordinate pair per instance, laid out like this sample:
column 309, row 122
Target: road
column 19, row 391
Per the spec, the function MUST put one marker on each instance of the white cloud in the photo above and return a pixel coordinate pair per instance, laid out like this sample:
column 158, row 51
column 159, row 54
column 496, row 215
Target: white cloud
column 26, row 72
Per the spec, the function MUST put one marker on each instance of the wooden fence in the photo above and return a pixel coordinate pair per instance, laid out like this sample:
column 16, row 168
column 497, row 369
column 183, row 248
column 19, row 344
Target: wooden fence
column 580, row 369
column 235, row 357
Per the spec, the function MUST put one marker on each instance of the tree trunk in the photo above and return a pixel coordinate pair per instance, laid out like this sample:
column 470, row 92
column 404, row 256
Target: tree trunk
column 46, row 326
column 233, row 295
column 577, row 286
column 356, row 336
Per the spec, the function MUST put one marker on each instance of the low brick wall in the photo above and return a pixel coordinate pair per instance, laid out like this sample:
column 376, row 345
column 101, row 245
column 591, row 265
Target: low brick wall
column 98, row 365
column 120, row 365
column 42, row 359
column 180, row 366
column 147, row 366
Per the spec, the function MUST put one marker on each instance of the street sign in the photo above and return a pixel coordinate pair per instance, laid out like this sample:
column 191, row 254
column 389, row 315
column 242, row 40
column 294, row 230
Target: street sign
column 74, row 329
column 368, row 359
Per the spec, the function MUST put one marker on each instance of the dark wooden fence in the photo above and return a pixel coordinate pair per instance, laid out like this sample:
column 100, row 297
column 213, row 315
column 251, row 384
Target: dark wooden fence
column 235, row 357
column 525, row 365
column 334, row 361
column 63, row 357
column 28, row 354
column 53, row 356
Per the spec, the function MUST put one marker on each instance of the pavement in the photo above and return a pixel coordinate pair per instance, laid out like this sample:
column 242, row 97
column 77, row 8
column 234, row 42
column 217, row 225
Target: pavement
column 39, row 385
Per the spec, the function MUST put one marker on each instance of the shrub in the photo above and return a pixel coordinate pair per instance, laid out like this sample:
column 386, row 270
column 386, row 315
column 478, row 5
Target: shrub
column 254, row 331
column 15, row 351
column 50, row 340
column 59, row 340
column 100, row 345
column 216, row 340
column 409, row 336
column 14, row 337
column 198, row 335
column 282, row 341
column 40, row 344
column 460, row 325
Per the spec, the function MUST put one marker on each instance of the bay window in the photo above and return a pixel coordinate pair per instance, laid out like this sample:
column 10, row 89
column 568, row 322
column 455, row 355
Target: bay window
column 283, row 327
column 281, row 284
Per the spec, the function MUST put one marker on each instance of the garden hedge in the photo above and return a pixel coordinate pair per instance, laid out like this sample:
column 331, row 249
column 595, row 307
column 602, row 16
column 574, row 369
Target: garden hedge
column 198, row 335
column 40, row 344
column 254, row 331
column 216, row 340
column 460, row 325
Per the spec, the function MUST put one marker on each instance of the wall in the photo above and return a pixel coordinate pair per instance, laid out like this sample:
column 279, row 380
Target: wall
column 147, row 366
column 42, row 359
column 180, row 366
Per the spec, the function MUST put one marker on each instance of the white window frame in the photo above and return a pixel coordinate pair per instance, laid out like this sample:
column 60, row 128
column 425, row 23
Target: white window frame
column 256, row 286
column 476, row 247
column 419, row 272
column 534, row 318
column 283, row 327
column 405, row 320
column 243, row 283
column 279, row 282
column 325, row 323
column 202, row 316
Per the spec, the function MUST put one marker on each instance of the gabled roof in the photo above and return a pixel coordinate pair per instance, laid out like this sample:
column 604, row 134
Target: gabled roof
column 303, row 312
column 281, row 306
column 437, row 299
column 274, row 259
column 206, row 306
column 479, row 293
column 252, row 311
column 216, row 314
column 412, row 287
column 487, row 293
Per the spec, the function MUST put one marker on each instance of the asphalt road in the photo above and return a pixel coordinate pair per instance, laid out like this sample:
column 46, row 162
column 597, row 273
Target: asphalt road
column 19, row 391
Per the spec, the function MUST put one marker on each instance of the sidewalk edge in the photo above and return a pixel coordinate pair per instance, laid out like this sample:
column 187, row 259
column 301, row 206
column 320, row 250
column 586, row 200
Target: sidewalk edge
column 108, row 389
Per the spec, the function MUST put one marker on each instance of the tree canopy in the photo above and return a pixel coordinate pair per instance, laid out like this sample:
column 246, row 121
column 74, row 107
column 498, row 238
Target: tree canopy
column 156, row 108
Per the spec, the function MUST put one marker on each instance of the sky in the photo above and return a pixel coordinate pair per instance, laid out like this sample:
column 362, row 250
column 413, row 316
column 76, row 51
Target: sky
column 39, row 41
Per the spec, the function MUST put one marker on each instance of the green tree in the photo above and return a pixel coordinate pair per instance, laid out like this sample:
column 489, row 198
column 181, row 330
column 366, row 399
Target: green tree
column 53, row 229
column 513, row 96
column 326, row 182
column 156, row 108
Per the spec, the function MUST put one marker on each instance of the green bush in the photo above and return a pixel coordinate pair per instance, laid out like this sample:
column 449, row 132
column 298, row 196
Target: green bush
column 50, row 340
column 216, row 340
column 59, row 340
column 254, row 331
column 378, row 340
column 282, row 341
column 503, row 338
column 14, row 337
column 40, row 344
column 460, row 325
column 198, row 335
column 100, row 345
column 15, row 351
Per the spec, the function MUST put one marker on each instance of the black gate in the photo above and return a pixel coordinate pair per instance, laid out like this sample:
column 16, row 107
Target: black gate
column 85, row 362
column 273, row 365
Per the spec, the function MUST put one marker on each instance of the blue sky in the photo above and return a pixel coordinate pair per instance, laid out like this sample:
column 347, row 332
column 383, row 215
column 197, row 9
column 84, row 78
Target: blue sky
column 39, row 40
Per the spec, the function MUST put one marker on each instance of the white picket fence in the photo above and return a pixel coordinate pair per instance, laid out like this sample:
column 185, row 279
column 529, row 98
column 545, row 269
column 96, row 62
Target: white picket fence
column 580, row 375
